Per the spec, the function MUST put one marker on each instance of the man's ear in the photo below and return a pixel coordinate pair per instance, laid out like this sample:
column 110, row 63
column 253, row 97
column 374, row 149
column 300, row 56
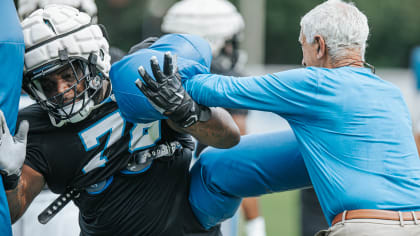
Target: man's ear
column 321, row 46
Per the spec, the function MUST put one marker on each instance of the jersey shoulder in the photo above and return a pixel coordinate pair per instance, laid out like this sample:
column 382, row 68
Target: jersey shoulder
column 37, row 117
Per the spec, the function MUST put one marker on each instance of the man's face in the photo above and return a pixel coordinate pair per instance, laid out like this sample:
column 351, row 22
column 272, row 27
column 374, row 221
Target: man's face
column 309, row 52
column 62, row 81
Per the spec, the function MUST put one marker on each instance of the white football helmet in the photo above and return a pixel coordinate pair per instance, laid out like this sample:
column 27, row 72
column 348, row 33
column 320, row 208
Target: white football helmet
column 215, row 20
column 26, row 7
column 59, row 37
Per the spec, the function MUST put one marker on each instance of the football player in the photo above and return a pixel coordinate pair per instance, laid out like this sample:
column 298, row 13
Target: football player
column 126, row 178
column 66, row 223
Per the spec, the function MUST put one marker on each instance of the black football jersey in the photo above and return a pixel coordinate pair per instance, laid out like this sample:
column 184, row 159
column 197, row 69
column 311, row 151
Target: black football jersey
column 93, row 156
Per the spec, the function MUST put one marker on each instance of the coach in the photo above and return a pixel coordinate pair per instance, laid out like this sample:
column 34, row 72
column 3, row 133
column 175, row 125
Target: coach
column 353, row 128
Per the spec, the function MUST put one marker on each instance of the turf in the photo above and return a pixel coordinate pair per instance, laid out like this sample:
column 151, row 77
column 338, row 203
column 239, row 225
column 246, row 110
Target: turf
column 281, row 213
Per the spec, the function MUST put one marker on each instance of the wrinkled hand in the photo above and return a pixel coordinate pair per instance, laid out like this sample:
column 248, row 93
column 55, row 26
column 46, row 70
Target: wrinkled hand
column 167, row 95
column 12, row 152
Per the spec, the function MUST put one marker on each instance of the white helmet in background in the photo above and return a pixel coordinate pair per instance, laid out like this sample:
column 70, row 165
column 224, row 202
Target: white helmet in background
column 215, row 20
column 59, row 37
column 26, row 7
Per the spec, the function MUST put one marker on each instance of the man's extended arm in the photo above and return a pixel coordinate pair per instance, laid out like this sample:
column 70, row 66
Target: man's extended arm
column 213, row 127
column 30, row 185
column 285, row 93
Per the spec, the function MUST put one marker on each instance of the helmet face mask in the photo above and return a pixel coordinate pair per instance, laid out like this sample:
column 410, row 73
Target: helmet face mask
column 230, row 57
column 67, row 62
column 81, row 87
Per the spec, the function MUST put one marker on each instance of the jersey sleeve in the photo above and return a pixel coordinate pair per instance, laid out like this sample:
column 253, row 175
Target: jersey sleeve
column 35, row 159
column 284, row 93
column 35, row 147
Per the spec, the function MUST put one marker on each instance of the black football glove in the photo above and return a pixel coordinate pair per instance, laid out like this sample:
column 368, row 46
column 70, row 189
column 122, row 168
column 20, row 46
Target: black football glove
column 167, row 95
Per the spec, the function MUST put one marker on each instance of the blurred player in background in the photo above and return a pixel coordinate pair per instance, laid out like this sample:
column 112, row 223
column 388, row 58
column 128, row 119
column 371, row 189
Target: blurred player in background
column 219, row 22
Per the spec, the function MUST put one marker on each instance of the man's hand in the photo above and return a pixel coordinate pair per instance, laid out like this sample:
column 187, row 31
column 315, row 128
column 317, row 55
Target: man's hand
column 12, row 152
column 167, row 95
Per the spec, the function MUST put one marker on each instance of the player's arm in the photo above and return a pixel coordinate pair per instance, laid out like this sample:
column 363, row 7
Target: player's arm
column 219, row 131
column 30, row 185
column 213, row 126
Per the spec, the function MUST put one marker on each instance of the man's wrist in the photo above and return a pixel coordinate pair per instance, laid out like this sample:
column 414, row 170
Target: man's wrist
column 184, row 119
column 187, row 118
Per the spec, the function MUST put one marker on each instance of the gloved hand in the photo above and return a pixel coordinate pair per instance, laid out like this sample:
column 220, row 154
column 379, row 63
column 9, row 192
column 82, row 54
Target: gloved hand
column 12, row 152
column 167, row 95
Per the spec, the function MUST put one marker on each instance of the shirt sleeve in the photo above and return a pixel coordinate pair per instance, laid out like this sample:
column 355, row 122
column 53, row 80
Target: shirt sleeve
column 290, row 92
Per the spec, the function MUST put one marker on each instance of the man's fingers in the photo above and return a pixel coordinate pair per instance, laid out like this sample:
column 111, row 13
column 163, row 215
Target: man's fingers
column 143, row 88
column 22, row 132
column 168, row 66
column 139, row 83
column 151, row 83
column 157, row 73
column 149, row 95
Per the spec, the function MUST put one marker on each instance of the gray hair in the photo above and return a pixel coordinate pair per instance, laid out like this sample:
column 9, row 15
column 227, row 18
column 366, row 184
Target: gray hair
column 343, row 27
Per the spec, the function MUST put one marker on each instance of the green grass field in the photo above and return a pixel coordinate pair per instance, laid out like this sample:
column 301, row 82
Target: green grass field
column 281, row 213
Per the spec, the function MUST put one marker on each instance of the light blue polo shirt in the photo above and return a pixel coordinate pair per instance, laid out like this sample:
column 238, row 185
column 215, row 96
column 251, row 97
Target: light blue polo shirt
column 353, row 129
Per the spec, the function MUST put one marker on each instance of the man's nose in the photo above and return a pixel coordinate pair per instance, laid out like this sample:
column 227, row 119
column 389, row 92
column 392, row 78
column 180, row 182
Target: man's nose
column 63, row 87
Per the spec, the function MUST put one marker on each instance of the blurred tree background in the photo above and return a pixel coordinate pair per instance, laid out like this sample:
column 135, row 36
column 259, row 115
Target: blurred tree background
column 394, row 26
column 394, row 30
